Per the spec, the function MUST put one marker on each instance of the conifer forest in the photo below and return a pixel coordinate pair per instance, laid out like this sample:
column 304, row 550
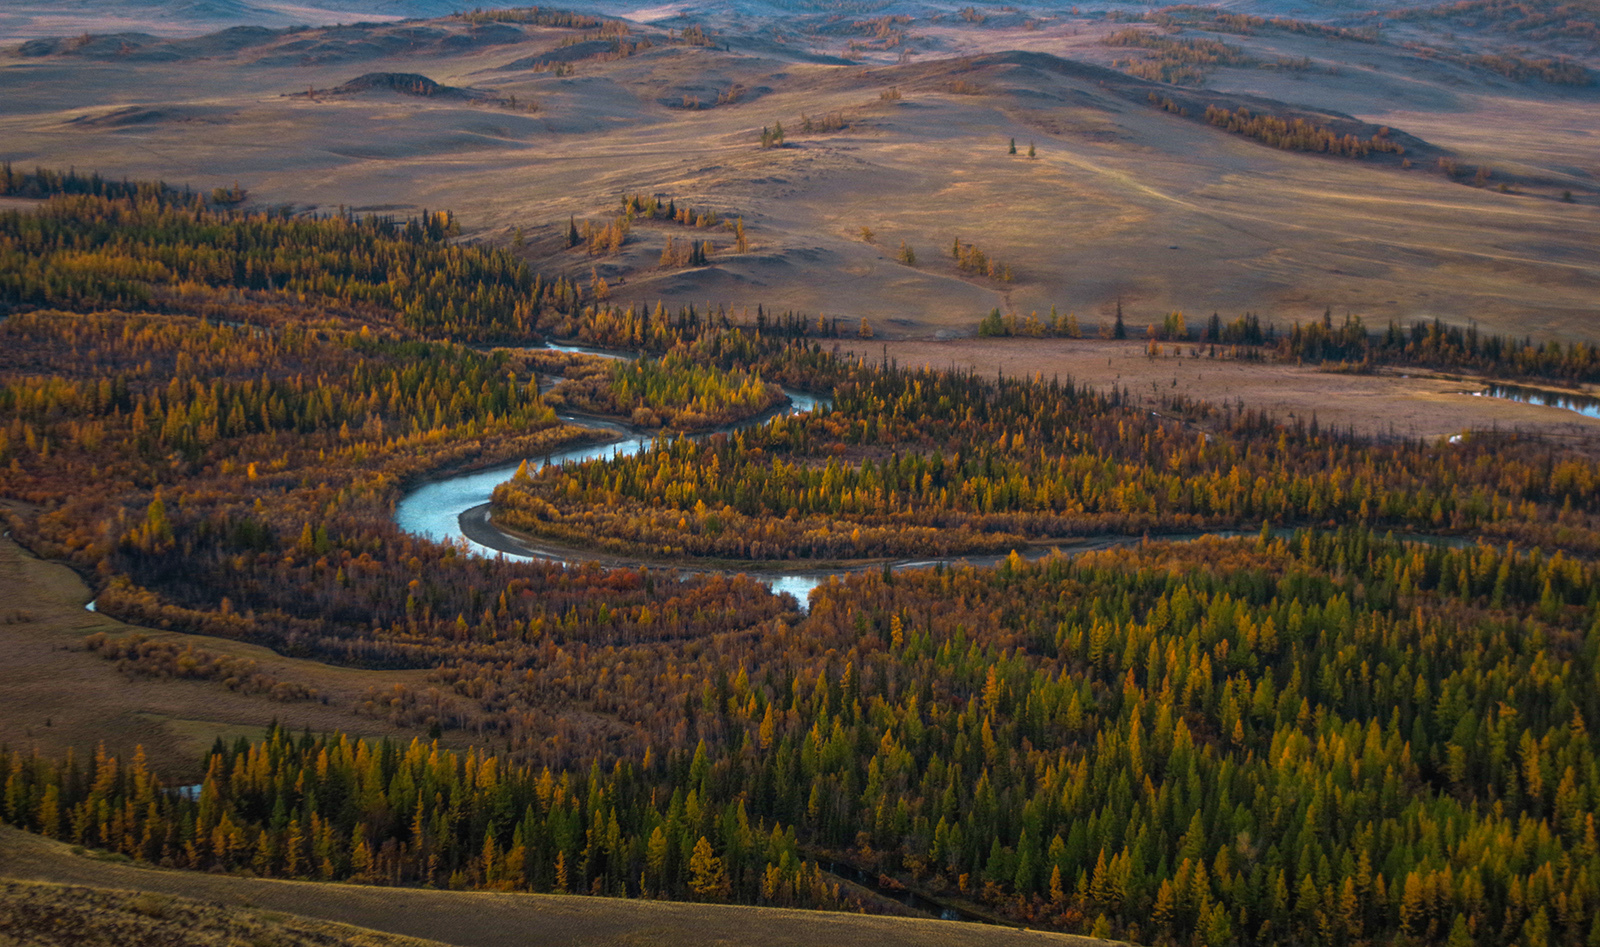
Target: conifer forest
column 1210, row 677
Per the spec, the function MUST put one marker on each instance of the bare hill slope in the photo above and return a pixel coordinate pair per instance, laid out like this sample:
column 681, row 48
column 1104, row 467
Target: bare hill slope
column 34, row 914
column 473, row 919
column 1131, row 193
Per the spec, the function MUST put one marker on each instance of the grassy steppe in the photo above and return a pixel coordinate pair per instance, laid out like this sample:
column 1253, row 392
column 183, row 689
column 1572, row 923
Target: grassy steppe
column 1123, row 201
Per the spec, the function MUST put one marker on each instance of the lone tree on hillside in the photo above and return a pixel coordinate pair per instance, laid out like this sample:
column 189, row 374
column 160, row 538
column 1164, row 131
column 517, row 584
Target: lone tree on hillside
column 1013, row 146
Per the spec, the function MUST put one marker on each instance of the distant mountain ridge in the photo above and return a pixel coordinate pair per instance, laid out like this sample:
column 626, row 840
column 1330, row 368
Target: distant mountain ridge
column 36, row 19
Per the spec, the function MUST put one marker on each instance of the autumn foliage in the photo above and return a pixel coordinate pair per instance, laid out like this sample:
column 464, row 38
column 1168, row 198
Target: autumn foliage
column 1322, row 730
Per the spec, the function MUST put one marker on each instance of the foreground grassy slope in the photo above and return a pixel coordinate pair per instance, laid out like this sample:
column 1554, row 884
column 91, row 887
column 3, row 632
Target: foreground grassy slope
column 474, row 919
column 46, row 915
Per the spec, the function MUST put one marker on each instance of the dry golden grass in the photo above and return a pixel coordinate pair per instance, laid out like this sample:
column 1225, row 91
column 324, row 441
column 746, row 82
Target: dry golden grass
column 57, row 694
column 474, row 919
column 34, row 914
column 1123, row 201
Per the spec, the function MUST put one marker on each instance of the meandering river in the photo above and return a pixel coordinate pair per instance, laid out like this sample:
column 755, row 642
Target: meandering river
column 455, row 509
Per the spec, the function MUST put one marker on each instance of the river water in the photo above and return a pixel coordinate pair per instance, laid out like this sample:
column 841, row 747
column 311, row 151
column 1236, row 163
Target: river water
column 1583, row 404
column 455, row 509
column 448, row 508
column 436, row 509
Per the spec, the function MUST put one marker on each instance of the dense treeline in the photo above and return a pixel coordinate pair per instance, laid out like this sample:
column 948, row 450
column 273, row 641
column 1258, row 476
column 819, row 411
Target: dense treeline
column 909, row 463
column 1423, row 344
column 1297, row 134
column 1530, row 19
column 1217, row 19
column 44, row 182
column 1184, row 61
column 336, row 809
column 1197, row 49
column 85, row 251
column 658, row 329
column 673, row 392
column 1436, row 345
column 533, row 16
column 171, row 384
column 1245, row 330
column 1328, row 738
column 1521, row 68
